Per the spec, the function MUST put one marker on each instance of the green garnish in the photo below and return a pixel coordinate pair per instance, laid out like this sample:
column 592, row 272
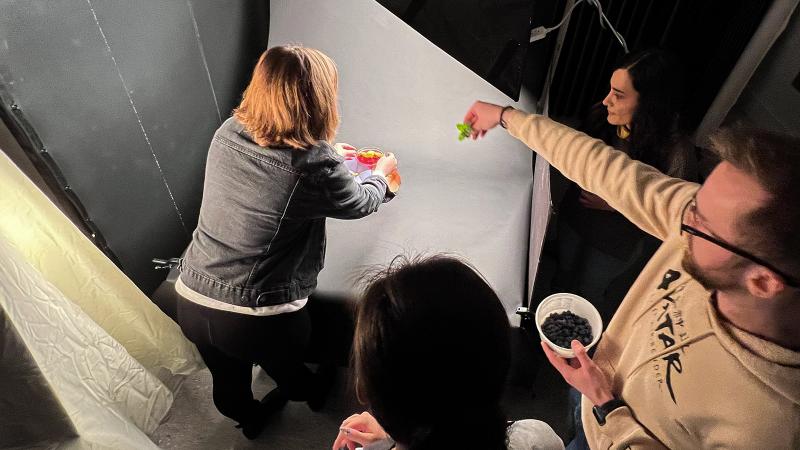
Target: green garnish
column 464, row 131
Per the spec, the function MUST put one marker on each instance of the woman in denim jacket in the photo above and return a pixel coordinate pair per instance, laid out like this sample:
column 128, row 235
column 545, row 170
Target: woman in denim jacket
column 272, row 178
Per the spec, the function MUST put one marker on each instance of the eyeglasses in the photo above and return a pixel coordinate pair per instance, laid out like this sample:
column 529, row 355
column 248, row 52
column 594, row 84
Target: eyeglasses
column 691, row 211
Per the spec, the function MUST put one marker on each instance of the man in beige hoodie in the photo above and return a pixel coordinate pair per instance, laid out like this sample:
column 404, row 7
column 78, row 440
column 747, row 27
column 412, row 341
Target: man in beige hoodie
column 704, row 351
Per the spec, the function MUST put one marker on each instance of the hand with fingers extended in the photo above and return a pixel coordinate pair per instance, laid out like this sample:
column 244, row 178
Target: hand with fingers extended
column 345, row 150
column 582, row 373
column 359, row 430
column 482, row 117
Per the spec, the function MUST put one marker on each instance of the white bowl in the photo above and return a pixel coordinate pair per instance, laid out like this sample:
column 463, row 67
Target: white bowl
column 579, row 306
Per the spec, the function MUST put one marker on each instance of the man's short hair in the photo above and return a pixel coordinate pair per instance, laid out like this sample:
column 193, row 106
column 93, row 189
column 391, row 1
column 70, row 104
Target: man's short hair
column 774, row 160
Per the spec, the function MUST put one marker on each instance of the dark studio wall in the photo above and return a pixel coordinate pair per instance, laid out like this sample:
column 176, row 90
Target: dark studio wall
column 707, row 37
column 125, row 96
column 771, row 99
column 490, row 37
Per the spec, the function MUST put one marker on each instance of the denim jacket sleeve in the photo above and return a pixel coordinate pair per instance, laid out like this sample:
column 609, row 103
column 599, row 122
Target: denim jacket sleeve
column 327, row 189
column 344, row 198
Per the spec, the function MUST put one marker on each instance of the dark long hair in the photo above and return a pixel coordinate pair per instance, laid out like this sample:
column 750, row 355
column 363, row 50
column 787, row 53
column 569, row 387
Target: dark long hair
column 658, row 78
column 431, row 354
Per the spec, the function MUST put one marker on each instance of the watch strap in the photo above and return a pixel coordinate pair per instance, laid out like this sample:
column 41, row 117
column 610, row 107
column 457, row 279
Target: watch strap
column 502, row 121
column 600, row 412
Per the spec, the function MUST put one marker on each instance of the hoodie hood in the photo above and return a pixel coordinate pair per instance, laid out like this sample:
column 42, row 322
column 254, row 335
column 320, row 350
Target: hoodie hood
column 777, row 367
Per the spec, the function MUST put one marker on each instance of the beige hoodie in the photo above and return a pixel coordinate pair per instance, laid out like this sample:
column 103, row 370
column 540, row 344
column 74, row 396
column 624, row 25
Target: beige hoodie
column 690, row 379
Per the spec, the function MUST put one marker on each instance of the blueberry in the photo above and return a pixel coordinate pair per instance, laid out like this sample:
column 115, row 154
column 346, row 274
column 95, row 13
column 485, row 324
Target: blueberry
column 562, row 328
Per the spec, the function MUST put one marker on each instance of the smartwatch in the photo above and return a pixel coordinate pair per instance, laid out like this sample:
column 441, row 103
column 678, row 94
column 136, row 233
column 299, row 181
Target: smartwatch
column 503, row 122
column 600, row 412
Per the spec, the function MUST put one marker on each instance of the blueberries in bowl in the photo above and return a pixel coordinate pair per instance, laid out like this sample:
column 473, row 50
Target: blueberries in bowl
column 561, row 328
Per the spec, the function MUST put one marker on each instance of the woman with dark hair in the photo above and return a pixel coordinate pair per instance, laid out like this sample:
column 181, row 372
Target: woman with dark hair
column 599, row 251
column 431, row 354
column 641, row 113
column 272, row 178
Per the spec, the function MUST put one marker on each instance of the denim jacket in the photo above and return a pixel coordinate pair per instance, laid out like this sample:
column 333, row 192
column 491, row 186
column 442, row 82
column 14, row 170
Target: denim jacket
column 260, row 238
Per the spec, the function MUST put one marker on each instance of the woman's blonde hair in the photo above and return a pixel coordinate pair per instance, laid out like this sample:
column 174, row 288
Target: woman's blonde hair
column 291, row 99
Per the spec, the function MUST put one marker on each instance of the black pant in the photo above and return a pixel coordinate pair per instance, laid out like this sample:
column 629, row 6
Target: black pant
column 230, row 343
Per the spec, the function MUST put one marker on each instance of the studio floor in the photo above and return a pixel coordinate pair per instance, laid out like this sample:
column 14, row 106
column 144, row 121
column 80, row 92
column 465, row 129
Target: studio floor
column 194, row 423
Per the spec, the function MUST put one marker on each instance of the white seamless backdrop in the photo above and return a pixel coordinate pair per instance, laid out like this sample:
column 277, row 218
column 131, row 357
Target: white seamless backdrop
column 399, row 92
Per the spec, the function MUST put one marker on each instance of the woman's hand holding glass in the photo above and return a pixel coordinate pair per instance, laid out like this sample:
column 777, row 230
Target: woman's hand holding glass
column 386, row 165
column 345, row 150
column 387, row 168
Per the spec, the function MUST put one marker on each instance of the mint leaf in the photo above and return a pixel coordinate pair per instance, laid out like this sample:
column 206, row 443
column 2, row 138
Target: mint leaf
column 464, row 131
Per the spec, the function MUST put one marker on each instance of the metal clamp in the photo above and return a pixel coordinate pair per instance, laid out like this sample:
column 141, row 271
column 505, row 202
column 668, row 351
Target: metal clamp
column 526, row 321
column 524, row 312
column 165, row 263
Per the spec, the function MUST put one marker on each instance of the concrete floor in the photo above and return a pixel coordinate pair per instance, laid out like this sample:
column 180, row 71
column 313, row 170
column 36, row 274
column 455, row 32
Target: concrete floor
column 194, row 423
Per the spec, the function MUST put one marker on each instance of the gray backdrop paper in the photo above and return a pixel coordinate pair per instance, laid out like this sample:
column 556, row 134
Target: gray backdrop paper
column 401, row 93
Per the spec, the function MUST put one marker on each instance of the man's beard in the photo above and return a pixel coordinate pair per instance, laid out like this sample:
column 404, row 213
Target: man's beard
column 722, row 279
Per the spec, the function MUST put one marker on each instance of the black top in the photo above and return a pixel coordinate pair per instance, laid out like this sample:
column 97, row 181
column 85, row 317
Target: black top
column 609, row 231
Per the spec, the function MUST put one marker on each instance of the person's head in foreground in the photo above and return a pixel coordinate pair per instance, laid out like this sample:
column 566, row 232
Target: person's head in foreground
column 431, row 353
column 291, row 98
column 743, row 225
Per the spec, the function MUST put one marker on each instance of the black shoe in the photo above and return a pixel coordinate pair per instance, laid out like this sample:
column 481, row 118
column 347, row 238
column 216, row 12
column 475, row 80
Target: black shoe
column 323, row 383
column 273, row 402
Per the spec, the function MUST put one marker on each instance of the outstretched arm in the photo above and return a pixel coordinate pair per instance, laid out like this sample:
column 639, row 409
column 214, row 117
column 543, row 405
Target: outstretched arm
column 647, row 197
